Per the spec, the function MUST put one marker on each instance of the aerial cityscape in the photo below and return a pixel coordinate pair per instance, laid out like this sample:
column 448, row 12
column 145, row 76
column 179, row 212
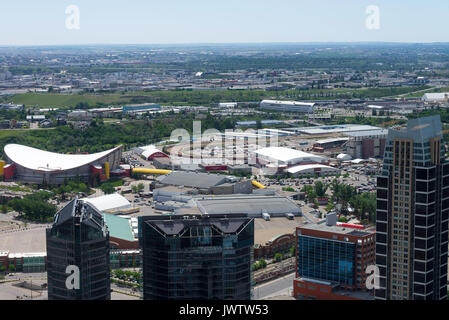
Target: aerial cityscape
column 193, row 169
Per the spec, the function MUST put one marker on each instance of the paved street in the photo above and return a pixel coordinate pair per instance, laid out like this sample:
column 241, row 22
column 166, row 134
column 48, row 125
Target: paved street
column 281, row 286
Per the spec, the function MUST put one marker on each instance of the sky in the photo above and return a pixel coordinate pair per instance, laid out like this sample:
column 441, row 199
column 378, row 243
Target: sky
column 45, row 22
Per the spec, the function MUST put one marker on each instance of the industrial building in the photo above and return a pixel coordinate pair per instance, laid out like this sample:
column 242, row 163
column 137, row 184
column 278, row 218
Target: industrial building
column 252, row 205
column 288, row 106
column 253, row 123
column 327, row 144
column 78, row 237
column 286, row 157
column 150, row 152
column 196, row 257
column 412, row 214
column 331, row 129
column 437, row 97
column 205, row 182
column 32, row 165
column 141, row 108
column 110, row 203
column 335, row 256
column 366, row 144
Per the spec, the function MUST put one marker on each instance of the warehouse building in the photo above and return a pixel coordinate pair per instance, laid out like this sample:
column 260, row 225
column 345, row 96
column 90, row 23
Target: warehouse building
column 366, row 144
column 288, row 106
column 331, row 129
column 252, row 205
column 150, row 152
column 141, row 108
column 110, row 203
column 287, row 157
column 331, row 143
column 32, row 165
column 437, row 97
column 200, row 181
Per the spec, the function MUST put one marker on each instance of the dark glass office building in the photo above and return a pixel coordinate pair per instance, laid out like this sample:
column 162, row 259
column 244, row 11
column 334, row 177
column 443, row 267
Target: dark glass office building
column 78, row 237
column 412, row 214
column 337, row 254
column 196, row 257
column 326, row 259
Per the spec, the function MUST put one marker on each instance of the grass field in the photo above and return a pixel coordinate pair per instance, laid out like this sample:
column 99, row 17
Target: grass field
column 66, row 100
column 175, row 97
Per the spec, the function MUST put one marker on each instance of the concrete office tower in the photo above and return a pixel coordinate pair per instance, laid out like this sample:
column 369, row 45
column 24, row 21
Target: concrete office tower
column 196, row 257
column 78, row 237
column 412, row 214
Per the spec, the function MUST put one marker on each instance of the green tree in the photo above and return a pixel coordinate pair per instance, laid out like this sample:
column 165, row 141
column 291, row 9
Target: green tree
column 310, row 192
column 278, row 257
column 140, row 187
column 107, row 188
column 320, row 189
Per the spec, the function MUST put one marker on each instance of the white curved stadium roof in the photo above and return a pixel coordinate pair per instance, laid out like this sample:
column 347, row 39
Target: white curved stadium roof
column 288, row 155
column 307, row 167
column 40, row 160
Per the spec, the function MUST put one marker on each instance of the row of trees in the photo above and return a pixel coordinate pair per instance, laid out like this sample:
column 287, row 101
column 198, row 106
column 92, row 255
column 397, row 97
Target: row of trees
column 344, row 196
column 35, row 207
column 126, row 275
column 317, row 190
column 364, row 204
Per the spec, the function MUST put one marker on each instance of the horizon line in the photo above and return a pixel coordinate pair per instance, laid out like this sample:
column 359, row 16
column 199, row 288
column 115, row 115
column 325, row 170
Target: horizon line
column 226, row 43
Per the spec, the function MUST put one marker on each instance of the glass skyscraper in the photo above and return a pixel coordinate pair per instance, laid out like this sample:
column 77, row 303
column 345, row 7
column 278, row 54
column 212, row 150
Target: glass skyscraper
column 412, row 214
column 78, row 237
column 196, row 257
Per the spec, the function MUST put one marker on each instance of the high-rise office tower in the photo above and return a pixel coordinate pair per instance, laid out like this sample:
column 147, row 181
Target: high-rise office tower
column 78, row 238
column 412, row 214
column 196, row 257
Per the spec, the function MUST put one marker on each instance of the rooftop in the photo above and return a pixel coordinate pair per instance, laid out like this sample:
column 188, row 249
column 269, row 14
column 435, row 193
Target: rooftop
column 109, row 202
column 247, row 204
column 293, row 103
column 322, row 226
column 420, row 130
column 118, row 227
column 287, row 154
column 192, row 179
column 48, row 161
column 380, row 132
column 300, row 168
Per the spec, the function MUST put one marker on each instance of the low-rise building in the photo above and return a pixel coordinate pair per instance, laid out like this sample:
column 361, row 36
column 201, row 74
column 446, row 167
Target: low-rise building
column 334, row 256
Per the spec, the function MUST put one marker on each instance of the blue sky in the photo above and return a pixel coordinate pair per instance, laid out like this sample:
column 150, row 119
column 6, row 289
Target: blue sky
column 31, row 22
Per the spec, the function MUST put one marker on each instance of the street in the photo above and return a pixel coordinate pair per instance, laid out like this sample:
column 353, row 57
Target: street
column 281, row 286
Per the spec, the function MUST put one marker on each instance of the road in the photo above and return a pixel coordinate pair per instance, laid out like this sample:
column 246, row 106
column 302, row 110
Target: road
column 281, row 286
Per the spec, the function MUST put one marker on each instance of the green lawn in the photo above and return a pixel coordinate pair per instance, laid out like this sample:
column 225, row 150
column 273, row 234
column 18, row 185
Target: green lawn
column 181, row 97
column 66, row 100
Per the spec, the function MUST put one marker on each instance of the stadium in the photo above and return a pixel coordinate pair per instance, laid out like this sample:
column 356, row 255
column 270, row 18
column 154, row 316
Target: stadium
column 30, row 165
